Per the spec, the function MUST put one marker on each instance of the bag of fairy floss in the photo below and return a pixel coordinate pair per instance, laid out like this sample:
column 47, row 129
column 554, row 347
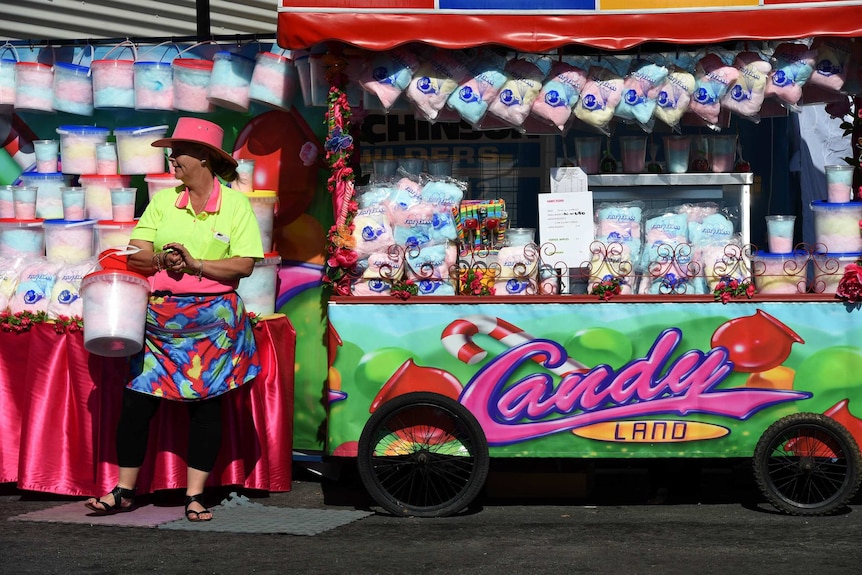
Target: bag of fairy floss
column 9, row 269
column 35, row 283
column 65, row 299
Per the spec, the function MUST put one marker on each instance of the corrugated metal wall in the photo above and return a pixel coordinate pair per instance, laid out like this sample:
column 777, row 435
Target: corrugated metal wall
column 83, row 19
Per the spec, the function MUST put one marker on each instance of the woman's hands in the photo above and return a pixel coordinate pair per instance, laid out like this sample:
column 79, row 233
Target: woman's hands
column 177, row 258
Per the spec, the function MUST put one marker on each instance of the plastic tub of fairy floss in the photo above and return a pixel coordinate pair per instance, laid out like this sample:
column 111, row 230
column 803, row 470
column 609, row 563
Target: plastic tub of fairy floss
column 828, row 269
column 258, row 290
column 159, row 182
column 191, row 83
column 34, row 87
column 114, row 79
column 78, row 147
column 68, row 241
column 7, row 74
column 836, row 226
column 115, row 312
column 112, row 234
column 22, row 239
column 230, row 81
column 274, row 80
column 98, row 193
column 780, row 273
column 73, row 87
column 49, row 195
column 264, row 204
column 135, row 154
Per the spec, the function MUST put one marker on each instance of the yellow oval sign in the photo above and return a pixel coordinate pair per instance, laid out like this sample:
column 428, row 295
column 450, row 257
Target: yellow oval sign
column 651, row 431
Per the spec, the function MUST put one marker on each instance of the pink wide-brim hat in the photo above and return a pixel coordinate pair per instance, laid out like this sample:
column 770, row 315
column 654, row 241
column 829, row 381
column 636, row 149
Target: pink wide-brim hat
column 197, row 131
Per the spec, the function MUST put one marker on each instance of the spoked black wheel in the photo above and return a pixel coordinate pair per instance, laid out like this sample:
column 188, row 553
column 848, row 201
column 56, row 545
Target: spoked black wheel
column 807, row 464
column 424, row 455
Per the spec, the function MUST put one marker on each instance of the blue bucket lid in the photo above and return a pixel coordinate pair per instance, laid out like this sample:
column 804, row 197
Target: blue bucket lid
column 140, row 130
column 42, row 175
column 72, row 67
column 782, row 256
column 153, row 63
column 824, row 205
column 82, row 130
column 75, row 223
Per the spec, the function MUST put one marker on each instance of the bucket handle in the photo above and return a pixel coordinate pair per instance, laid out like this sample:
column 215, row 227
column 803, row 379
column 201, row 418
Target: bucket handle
column 125, row 44
column 165, row 53
column 193, row 46
column 126, row 250
column 9, row 46
column 80, row 57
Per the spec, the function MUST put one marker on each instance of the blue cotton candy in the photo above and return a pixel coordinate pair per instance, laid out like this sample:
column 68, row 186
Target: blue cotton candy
column 640, row 92
column 715, row 229
column 442, row 193
column 472, row 98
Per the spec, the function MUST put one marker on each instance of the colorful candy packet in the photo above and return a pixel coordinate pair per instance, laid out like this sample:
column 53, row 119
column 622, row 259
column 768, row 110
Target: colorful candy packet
column 792, row 66
column 601, row 94
column 559, row 94
column 745, row 96
column 712, row 77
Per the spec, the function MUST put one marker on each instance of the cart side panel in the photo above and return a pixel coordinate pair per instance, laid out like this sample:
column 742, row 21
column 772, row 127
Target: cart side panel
column 601, row 379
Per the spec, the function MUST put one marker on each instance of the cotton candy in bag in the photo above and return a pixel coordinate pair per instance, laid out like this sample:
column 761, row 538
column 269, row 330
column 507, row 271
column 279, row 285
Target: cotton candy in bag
column 65, row 294
column 559, row 94
column 674, row 96
column 387, row 74
column 745, row 96
column 35, row 283
column 833, row 55
column 475, row 94
column 372, row 232
column 434, row 82
column 713, row 77
column 792, row 66
column 641, row 89
column 600, row 97
column 9, row 270
column 516, row 96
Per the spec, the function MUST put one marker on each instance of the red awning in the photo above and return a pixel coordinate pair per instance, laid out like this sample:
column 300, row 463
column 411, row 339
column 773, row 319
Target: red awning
column 541, row 32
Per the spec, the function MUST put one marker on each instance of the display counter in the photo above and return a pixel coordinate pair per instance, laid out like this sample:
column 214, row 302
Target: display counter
column 60, row 407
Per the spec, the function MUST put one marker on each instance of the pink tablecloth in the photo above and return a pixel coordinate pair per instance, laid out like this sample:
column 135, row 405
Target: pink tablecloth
column 59, row 407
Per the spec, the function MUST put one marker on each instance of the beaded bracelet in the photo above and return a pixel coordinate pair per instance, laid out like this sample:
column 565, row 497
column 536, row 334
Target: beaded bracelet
column 157, row 262
column 200, row 270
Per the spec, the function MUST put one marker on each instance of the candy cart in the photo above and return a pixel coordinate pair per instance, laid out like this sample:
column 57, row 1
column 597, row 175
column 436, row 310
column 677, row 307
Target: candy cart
column 744, row 353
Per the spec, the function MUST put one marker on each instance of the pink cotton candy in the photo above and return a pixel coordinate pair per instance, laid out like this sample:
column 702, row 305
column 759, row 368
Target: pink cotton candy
column 745, row 96
column 833, row 55
column 35, row 284
column 600, row 97
column 387, row 74
column 792, row 65
column 518, row 93
column 713, row 78
column 434, row 82
column 559, row 94
column 674, row 96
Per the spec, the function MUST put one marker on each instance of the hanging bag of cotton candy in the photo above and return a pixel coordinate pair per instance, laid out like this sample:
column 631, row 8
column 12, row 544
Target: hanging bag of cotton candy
column 602, row 93
column 559, row 94
column 713, row 75
column 674, row 94
column 473, row 96
column 745, row 96
column 792, row 66
column 435, row 80
column 641, row 89
column 387, row 74
column 833, row 57
column 522, row 87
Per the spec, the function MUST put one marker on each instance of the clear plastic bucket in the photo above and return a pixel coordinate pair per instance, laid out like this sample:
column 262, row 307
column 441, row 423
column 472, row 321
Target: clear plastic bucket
column 78, row 148
column 135, row 154
column 191, row 82
column 115, row 310
column 98, row 193
column 264, row 203
column 68, row 241
column 828, row 269
column 34, row 87
column 836, row 226
column 154, row 86
column 22, row 239
column 110, row 234
column 114, row 80
column 73, row 89
column 274, row 81
column 49, row 195
column 258, row 291
column 230, row 81
column 780, row 273
column 159, row 182
column 7, row 74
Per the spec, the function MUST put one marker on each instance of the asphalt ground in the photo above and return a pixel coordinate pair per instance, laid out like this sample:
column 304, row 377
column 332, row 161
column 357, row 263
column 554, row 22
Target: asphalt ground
column 533, row 518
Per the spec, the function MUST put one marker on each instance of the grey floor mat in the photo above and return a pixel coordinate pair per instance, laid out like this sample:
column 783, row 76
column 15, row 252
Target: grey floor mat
column 237, row 514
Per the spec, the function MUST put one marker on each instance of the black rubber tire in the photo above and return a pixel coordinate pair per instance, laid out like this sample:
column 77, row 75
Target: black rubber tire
column 423, row 455
column 807, row 464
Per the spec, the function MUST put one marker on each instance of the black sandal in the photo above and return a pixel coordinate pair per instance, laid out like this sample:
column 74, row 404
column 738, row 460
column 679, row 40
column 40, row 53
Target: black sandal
column 119, row 493
column 195, row 516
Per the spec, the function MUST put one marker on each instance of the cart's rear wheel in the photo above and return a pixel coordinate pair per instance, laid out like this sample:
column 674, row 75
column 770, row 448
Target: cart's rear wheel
column 424, row 455
column 807, row 464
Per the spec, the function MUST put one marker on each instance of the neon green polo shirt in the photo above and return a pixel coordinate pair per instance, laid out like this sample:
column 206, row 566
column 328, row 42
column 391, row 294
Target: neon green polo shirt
column 226, row 227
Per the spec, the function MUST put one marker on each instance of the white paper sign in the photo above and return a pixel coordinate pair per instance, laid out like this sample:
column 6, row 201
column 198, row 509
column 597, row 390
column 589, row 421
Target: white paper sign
column 568, row 180
column 566, row 229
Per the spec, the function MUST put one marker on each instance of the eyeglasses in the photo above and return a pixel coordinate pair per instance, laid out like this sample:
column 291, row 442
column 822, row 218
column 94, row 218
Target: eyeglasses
column 182, row 150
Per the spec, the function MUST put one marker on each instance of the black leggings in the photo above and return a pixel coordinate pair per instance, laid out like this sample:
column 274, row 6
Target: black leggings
column 133, row 431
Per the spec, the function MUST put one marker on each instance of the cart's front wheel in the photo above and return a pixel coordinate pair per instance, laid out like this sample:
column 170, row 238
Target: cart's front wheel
column 807, row 464
column 424, row 455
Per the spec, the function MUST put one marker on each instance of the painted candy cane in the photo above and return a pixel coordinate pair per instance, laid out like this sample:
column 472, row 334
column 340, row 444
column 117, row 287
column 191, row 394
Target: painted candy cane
column 457, row 340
